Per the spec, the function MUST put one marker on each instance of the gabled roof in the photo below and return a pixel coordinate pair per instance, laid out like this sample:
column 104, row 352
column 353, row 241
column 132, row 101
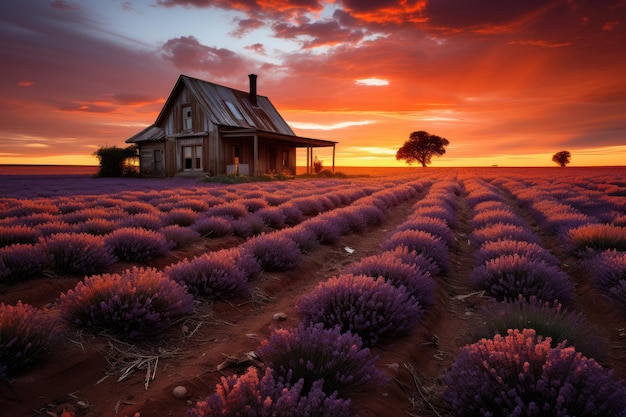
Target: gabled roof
column 226, row 106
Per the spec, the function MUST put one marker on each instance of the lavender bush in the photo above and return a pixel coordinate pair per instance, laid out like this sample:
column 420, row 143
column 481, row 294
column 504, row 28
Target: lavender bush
column 561, row 325
column 149, row 221
column 254, row 204
column 436, row 227
column 362, row 305
column 137, row 304
column 521, row 374
column 180, row 216
column 77, row 253
column 489, row 217
column 502, row 231
column 608, row 270
column 413, row 258
column 26, row 333
column 249, row 396
column 373, row 215
column 272, row 217
column 137, row 245
column 214, row 275
column 293, row 215
column 315, row 353
column 213, row 226
column 598, row 237
column 98, row 227
column 273, row 252
column 494, row 249
column 233, row 209
column 417, row 282
column 326, row 231
column 304, row 238
column 178, row 236
column 507, row 277
column 21, row 261
column 420, row 242
column 54, row 227
column 10, row 235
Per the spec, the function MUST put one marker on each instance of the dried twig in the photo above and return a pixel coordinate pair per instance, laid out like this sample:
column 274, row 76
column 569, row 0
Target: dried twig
column 126, row 359
column 418, row 385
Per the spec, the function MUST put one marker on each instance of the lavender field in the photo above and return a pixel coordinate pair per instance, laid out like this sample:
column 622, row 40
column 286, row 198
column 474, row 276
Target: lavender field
column 456, row 292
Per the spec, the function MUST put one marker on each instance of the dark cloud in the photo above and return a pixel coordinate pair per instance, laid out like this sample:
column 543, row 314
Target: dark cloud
column 245, row 26
column 188, row 54
column 326, row 32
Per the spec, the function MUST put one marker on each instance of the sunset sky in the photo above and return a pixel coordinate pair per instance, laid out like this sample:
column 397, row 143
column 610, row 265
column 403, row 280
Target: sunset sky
column 507, row 82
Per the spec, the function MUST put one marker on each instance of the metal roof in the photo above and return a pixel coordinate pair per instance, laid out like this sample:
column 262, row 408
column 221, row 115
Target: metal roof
column 232, row 111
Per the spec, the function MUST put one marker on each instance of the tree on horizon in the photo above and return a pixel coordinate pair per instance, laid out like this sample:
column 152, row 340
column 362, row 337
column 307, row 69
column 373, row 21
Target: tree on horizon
column 420, row 147
column 562, row 158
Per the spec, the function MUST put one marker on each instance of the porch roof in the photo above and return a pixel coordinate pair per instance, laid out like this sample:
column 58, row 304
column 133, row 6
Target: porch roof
column 290, row 140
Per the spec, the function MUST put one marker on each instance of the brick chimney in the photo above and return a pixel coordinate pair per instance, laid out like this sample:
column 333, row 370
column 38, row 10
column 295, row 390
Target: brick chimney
column 252, row 96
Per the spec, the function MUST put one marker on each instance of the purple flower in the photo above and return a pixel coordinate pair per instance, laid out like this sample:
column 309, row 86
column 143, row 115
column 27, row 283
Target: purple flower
column 507, row 277
column 418, row 282
column 21, row 261
column 608, row 271
column 214, row 275
column 419, row 260
column 502, row 231
column 10, row 235
column 420, row 242
column 139, row 303
column 180, row 216
column 78, row 253
column 368, row 307
column 315, row 353
column 494, row 249
column 25, row 334
column 137, row 245
column 213, row 226
column 326, row 231
column 273, row 252
column 273, row 217
column 598, row 237
column 522, row 375
column 178, row 236
column 434, row 226
column 248, row 395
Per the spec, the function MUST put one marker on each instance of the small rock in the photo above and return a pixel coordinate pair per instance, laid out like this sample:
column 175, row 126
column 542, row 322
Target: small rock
column 280, row 317
column 179, row 392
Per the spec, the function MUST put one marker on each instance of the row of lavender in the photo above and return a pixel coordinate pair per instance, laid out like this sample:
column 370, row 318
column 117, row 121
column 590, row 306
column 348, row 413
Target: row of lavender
column 85, row 235
column 319, row 363
column 592, row 226
column 533, row 364
column 142, row 302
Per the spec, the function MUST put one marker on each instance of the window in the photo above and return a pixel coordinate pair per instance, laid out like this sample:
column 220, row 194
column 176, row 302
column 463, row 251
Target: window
column 158, row 161
column 285, row 158
column 192, row 158
column 187, row 119
column 234, row 110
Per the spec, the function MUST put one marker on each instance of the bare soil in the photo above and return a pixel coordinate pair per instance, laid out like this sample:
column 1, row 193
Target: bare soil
column 81, row 377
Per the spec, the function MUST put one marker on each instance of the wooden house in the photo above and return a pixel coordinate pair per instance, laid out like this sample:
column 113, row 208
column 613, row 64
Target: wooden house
column 209, row 129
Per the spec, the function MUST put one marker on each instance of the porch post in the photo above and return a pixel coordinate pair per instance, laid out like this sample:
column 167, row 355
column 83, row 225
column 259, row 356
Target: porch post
column 333, row 158
column 256, row 155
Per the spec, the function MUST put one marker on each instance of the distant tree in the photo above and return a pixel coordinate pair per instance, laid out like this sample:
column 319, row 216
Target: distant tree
column 116, row 162
column 562, row 158
column 420, row 147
